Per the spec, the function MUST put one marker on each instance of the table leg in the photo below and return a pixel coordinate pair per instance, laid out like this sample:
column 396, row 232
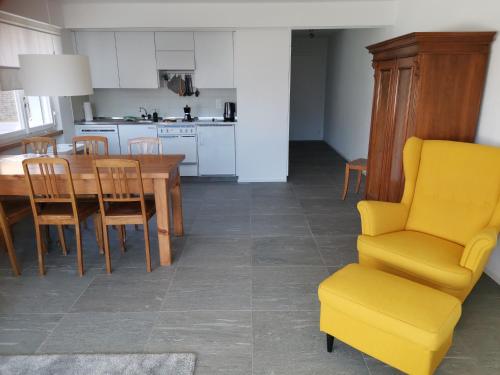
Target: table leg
column 346, row 180
column 177, row 207
column 163, row 221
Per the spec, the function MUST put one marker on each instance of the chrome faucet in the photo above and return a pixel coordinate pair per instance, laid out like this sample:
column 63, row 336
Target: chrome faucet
column 146, row 114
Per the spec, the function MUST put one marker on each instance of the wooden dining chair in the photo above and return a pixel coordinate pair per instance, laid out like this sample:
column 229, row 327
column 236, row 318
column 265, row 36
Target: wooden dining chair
column 92, row 145
column 39, row 145
column 145, row 146
column 53, row 202
column 11, row 212
column 121, row 200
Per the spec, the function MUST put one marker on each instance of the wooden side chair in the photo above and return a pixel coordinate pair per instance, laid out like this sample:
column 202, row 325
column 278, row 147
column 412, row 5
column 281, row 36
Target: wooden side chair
column 145, row 146
column 11, row 212
column 92, row 145
column 53, row 202
column 121, row 200
column 39, row 145
column 355, row 165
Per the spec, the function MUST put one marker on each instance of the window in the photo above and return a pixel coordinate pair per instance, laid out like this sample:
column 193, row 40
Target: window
column 20, row 114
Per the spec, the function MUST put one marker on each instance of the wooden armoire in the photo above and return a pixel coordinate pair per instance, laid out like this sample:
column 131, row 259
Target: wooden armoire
column 427, row 84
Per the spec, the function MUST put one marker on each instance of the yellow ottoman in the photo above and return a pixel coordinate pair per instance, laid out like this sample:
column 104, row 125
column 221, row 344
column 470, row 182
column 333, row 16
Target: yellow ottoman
column 400, row 322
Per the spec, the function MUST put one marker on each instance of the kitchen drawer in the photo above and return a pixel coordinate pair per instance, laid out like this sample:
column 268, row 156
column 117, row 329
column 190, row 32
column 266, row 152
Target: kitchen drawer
column 174, row 40
column 175, row 60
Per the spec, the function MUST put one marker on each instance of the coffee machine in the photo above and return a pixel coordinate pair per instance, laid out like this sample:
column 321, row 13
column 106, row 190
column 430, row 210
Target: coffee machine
column 187, row 113
column 229, row 111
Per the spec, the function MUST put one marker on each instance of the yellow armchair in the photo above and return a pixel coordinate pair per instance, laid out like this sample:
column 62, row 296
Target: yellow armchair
column 445, row 228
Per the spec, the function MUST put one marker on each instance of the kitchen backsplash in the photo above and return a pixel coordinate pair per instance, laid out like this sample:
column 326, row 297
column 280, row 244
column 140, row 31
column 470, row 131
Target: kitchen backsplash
column 126, row 102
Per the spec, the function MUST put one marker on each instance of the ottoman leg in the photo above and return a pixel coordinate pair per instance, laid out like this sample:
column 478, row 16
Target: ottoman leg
column 329, row 343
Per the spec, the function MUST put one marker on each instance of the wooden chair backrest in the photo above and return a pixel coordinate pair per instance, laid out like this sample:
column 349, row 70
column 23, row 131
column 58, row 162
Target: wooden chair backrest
column 92, row 144
column 145, row 145
column 39, row 145
column 119, row 181
column 49, row 180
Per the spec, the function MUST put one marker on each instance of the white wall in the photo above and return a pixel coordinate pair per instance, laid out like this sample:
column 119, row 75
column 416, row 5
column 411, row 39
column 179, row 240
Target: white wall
column 262, row 61
column 351, row 76
column 245, row 14
column 307, row 91
column 120, row 102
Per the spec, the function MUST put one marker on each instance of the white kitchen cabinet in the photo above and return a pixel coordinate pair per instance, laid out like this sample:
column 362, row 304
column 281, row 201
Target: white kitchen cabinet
column 135, row 51
column 174, row 40
column 100, row 48
column 216, row 150
column 129, row 131
column 175, row 60
column 214, row 59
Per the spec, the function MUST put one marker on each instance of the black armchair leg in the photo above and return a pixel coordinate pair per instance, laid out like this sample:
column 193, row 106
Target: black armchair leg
column 329, row 343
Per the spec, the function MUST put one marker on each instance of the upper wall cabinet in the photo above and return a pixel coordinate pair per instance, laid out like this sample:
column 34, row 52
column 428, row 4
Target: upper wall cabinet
column 174, row 50
column 174, row 40
column 214, row 59
column 136, row 59
column 100, row 48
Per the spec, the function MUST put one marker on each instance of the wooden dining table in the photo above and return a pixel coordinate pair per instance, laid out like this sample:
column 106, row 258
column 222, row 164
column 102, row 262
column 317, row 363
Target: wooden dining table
column 160, row 176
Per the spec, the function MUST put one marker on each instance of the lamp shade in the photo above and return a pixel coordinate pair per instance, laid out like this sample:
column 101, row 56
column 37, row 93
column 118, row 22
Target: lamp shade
column 55, row 75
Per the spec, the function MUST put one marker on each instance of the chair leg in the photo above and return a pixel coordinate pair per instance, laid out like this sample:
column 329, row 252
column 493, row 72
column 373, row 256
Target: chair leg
column 346, row 181
column 47, row 233
column 39, row 249
column 79, row 253
column 329, row 343
column 62, row 240
column 147, row 247
column 98, row 232
column 358, row 182
column 107, row 255
column 9, row 246
column 121, row 236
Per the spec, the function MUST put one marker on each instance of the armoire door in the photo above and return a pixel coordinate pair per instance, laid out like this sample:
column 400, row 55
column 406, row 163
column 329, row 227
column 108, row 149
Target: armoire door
column 383, row 103
column 404, row 81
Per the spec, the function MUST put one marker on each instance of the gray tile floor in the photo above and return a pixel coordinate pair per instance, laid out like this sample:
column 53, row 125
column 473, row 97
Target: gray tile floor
column 241, row 292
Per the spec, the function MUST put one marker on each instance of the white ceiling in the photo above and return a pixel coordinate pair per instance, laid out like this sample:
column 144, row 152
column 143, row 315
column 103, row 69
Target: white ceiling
column 204, row 1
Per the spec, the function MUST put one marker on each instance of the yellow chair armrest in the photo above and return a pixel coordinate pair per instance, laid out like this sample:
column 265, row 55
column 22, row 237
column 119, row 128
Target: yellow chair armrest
column 382, row 217
column 479, row 247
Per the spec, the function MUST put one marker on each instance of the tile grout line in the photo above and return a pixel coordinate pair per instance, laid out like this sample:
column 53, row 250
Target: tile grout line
column 160, row 311
column 37, row 351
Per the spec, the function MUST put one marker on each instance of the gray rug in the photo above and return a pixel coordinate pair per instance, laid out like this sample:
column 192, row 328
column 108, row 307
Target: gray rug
column 98, row 364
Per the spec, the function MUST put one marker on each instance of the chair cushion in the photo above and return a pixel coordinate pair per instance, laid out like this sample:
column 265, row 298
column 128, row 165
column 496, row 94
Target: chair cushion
column 393, row 304
column 420, row 254
column 457, row 190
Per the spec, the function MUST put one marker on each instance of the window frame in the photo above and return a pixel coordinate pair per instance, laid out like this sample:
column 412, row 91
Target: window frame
column 26, row 130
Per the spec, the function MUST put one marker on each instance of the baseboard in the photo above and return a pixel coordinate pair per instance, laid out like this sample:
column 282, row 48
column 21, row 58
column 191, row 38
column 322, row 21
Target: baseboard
column 494, row 275
column 261, row 179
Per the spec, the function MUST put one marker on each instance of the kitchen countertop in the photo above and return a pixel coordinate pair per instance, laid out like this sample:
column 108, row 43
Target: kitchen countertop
column 203, row 121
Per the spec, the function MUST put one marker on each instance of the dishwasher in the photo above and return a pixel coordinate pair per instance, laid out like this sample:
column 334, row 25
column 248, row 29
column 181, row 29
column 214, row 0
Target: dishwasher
column 216, row 149
column 180, row 138
column 108, row 131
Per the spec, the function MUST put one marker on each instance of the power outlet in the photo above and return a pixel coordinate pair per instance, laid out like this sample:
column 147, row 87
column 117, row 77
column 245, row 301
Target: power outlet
column 218, row 103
